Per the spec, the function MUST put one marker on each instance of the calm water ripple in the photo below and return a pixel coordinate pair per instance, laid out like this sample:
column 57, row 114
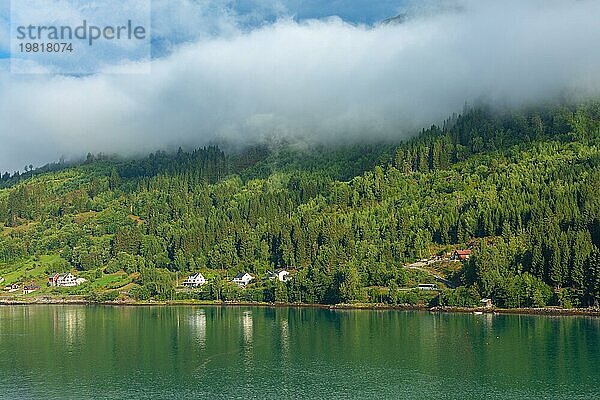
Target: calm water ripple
column 95, row 352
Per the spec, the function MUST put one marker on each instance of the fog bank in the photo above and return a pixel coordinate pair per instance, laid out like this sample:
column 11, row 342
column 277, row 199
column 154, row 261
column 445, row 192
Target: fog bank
column 318, row 80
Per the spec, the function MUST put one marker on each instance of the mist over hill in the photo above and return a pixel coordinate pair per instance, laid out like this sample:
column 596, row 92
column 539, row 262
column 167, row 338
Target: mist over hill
column 324, row 80
column 518, row 189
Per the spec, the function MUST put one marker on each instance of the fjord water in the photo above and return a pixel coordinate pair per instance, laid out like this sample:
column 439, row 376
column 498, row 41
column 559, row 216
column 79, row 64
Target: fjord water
column 96, row 352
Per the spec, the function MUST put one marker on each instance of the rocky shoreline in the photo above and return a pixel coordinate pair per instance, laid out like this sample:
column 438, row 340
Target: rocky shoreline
column 549, row 311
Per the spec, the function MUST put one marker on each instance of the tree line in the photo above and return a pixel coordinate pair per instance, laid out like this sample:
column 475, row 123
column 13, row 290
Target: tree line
column 520, row 185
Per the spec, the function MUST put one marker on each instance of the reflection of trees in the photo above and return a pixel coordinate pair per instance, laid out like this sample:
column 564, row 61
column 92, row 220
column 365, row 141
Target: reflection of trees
column 136, row 345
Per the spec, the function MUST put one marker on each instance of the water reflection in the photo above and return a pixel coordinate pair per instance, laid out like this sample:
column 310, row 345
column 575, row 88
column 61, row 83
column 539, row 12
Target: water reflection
column 247, row 331
column 69, row 323
column 488, row 319
column 197, row 323
column 247, row 326
column 285, row 336
column 136, row 352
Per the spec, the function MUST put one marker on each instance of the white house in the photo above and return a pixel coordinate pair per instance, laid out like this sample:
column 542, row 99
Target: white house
column 12, row 288
column 64, row 280
column 242, row 279
column 1, row 279
column 30, row 288
column 486, row 303
column 194, row 280
column 281, row 275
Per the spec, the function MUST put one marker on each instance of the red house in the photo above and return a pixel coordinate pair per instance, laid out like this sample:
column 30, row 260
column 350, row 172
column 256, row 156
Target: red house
column 461, row 255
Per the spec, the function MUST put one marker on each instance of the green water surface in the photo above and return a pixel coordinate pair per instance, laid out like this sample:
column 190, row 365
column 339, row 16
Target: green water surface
column 96, row 352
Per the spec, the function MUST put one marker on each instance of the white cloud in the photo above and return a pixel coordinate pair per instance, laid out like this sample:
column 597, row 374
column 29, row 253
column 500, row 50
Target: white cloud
column 322, row 80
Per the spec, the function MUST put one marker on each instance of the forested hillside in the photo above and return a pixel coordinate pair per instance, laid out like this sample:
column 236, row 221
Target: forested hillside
column 522, row 189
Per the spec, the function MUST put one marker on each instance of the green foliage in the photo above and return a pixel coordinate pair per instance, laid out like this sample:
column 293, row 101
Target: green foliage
column 158, row 283
column 461, row 297
column 141, row 292
column 103, row 297
column 522, row 187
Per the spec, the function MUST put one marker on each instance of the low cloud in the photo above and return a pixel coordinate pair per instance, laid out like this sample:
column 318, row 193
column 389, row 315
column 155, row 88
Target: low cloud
column 324, row 80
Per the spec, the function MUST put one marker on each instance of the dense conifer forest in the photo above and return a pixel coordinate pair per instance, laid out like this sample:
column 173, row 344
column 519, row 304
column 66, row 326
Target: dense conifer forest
column 520, row 189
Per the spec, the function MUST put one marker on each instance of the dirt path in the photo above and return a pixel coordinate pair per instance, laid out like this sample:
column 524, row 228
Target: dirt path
column 419, row 266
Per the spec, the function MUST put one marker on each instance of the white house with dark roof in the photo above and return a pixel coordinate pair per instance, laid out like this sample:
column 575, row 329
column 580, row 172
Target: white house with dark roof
column 242, row 279
column 12, row 288
column 486, row 303
column 64, row 280
column 194, row 280
column 30, row 288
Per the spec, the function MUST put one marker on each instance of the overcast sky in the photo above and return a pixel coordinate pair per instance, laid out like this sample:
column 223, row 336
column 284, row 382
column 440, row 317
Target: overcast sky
column 248, row 70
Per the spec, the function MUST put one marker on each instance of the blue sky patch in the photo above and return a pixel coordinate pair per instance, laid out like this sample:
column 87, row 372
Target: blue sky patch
column 176, row 22
column 355, row 11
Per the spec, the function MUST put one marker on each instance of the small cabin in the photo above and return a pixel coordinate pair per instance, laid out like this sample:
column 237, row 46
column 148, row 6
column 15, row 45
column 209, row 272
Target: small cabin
column 194, row 280
column 12, row 288
column 427, row 286
column 461, row 255
column 30, row 289
column 281, row 275
column 487, row 303
column 242, row 279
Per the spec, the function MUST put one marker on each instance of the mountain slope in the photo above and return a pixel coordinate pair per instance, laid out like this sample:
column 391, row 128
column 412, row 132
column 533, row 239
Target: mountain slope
column 520, row 188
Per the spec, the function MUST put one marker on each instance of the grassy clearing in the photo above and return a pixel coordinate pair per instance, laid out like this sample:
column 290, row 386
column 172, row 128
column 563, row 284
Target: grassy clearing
column 33, row 269
column 110, row 282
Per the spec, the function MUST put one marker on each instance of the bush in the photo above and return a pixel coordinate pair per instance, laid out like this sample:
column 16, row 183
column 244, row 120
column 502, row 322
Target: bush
column 459, row 297
column 140, row 293
column 103, row 297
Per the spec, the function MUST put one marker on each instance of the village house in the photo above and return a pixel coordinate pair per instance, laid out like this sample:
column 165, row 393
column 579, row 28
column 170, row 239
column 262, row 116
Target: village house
column 194, row 280
column 12, row 288
column 1, row 279
column 427, row 286
column 487, row 303
column 242, row 279
column 64, row 280
column 461, row 255
column 30, row 289
column 281, row 275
